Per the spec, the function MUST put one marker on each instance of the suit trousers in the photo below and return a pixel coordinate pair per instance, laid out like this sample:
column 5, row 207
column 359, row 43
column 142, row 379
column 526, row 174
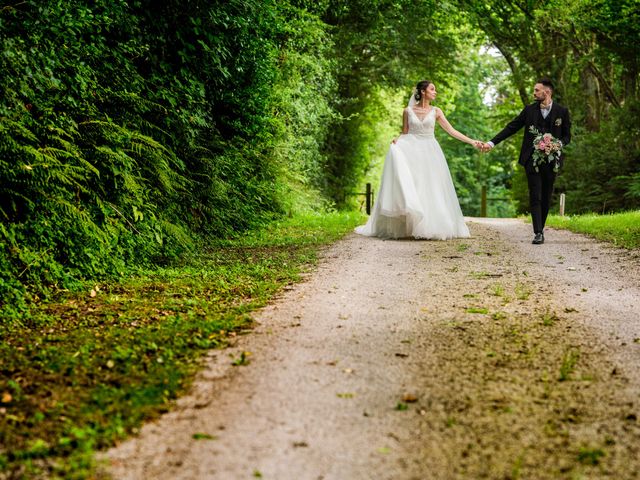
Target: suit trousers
column 540, row 192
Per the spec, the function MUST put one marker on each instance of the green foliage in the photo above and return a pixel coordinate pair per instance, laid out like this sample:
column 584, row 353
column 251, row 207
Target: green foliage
column 131, row 132
column 590, row 50
column 602, row 173
column 118, row 356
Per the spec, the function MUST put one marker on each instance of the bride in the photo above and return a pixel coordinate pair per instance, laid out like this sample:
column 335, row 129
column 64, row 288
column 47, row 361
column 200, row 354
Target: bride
column 417, row 197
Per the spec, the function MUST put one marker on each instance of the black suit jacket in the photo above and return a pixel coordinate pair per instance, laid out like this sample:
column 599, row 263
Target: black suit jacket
column 557, row 123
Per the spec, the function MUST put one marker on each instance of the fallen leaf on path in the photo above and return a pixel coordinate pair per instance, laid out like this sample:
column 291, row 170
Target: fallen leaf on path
column 409, row 398
column 402, row 355
column 203, row 436
column 345, row 395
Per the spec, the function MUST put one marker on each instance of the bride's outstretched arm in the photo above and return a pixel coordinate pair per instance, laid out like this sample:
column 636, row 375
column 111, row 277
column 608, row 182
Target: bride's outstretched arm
column 444, row 123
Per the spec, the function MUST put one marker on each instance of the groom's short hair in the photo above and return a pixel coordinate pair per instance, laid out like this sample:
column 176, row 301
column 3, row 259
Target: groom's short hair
column 547, row 83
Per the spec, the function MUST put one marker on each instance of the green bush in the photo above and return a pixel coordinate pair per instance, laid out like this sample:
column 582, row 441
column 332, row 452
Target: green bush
column 130, row 132
column 601, row 171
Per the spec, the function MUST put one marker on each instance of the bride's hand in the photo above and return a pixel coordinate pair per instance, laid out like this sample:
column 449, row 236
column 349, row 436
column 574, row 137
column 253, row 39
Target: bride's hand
column 483, row 147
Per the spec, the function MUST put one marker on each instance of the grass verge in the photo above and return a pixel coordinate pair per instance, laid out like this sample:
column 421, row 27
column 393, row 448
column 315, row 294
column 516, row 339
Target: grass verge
column 622, row 229
column 87, row 369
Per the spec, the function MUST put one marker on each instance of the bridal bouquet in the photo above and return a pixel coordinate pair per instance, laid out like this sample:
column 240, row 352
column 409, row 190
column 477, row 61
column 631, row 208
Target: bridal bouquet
column 546, row 148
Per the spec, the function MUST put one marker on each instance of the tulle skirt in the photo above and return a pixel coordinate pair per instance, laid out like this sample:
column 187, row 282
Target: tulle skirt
column 416, row 196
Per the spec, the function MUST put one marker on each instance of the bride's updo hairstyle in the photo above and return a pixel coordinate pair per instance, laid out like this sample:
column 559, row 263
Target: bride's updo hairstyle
column 422, row 85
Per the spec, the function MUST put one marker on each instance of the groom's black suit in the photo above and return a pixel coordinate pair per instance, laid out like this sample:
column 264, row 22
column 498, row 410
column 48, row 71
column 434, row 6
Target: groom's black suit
column 558, row 124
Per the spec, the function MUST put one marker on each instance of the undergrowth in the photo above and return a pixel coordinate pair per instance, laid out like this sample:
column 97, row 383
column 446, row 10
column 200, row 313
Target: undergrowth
column 86, row 369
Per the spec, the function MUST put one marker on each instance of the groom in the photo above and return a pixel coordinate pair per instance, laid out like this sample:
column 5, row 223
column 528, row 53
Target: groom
column 547, row 117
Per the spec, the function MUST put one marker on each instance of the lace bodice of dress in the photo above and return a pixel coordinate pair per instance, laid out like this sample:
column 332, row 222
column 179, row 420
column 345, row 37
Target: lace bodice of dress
column 426, row 126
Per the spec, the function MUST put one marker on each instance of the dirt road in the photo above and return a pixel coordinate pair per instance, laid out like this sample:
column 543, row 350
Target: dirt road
column 478, row 358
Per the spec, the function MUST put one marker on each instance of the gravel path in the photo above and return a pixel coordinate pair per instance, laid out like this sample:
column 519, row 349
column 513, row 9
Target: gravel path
column 474, row 358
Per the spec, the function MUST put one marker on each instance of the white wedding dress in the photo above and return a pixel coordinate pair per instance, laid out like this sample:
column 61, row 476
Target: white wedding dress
column 416, row 197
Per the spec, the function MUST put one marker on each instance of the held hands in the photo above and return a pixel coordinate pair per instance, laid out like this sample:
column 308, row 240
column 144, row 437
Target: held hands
column 482, row 146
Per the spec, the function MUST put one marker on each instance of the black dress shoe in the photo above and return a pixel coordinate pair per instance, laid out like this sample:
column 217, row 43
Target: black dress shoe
column 538, row 239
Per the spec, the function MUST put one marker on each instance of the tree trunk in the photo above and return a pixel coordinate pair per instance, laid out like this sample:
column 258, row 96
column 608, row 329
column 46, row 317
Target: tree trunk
column 592, row 96
column 517, row 76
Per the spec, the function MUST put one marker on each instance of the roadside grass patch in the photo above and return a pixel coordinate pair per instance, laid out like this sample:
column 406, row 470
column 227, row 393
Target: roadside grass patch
column 243, row 359
column 497, row 290
column 569, row 361
column 481, row 310
column 590, row 456
column 498, row 316
column 523, row 291
column 621, row 229
column 463, row 247
column 86, row 369
column 479, row 275
column 548, row 318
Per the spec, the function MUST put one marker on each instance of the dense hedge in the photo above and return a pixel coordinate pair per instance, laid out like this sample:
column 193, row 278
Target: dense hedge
column 129, row 130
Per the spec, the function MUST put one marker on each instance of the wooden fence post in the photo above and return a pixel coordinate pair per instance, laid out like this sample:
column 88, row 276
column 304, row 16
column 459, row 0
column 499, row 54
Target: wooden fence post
column 562, row 200
column 369, row 195
column 483, row 201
